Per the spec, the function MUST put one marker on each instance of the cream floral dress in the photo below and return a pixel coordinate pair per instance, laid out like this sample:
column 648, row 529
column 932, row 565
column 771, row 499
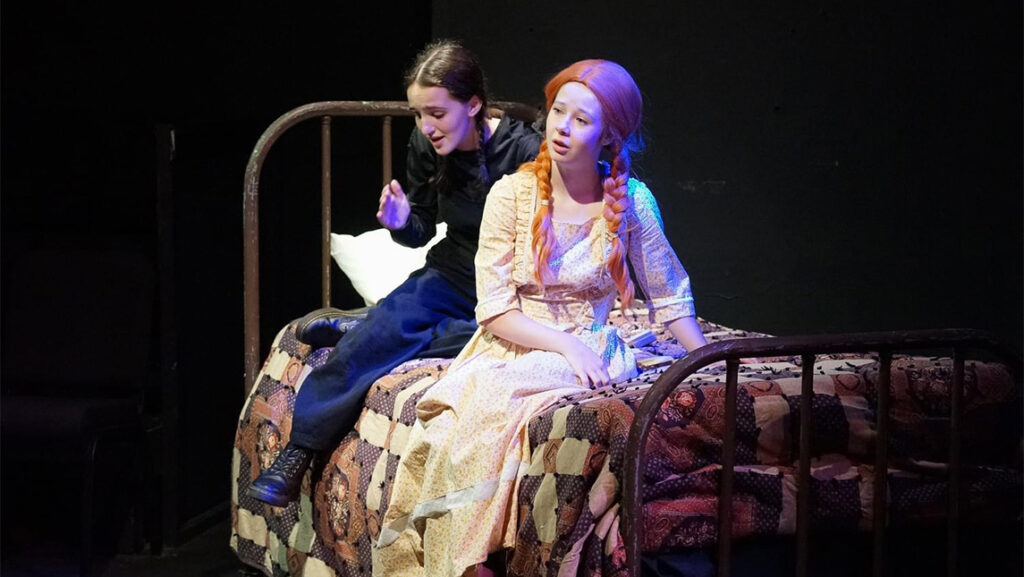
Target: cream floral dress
column 453, row 499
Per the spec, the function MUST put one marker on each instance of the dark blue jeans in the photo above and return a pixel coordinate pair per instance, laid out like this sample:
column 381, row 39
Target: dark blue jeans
column 426, row 313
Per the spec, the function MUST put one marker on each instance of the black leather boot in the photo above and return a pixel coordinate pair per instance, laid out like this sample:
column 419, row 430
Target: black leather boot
column 324, row 327
column 279, row 485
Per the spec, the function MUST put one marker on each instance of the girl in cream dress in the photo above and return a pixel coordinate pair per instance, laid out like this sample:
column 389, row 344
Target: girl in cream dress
column 550, row 263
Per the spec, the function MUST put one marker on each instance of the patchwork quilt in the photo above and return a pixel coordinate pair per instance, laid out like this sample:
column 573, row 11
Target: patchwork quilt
column 569, row 498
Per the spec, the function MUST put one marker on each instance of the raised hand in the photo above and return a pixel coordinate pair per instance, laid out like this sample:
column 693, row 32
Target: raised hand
column 393, row 211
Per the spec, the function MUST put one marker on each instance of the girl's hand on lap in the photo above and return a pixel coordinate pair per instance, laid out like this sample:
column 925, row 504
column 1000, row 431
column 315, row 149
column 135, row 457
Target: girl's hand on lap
column 591, row 370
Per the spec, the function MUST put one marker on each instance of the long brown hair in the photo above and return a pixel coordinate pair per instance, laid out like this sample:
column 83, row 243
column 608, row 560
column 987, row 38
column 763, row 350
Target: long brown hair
column 450, row 65
column 621, row 111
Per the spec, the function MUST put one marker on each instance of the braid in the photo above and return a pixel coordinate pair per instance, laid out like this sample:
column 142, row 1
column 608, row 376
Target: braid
column 615, row 203
column 481, row 155
column 543, row 236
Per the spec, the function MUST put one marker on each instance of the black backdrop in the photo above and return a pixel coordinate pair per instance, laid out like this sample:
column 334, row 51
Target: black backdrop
column 85, row 88
column 820, row 167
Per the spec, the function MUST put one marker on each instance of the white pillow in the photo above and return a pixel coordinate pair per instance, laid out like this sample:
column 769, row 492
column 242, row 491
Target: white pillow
column 375, row 264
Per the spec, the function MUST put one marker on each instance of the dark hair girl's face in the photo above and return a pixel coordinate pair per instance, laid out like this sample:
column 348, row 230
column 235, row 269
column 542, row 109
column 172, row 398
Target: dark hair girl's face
column 447, row 122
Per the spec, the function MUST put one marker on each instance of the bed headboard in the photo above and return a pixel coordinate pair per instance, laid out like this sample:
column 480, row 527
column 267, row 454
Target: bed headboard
column 326, row 112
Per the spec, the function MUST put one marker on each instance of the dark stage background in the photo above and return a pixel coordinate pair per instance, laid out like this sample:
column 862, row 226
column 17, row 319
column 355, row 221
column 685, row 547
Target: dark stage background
column 823, row 167
column 86, row 89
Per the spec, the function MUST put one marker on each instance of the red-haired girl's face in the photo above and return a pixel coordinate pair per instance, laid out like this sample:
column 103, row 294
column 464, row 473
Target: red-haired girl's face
column 575, row 130
column 448, row 123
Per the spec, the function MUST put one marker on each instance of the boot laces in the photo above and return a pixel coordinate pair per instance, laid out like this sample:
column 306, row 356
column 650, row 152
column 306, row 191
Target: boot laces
column 291, row 461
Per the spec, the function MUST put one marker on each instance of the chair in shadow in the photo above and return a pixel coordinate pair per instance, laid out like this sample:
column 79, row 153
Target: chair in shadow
column 78, row 358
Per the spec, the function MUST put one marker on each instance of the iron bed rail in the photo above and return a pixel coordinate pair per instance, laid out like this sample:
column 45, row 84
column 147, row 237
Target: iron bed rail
column 807, row 347
column 325, row 111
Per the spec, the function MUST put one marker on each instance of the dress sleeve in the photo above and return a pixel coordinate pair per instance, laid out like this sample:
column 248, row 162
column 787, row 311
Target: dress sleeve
column 658, row 271
column 495, row 289
column 421, row 165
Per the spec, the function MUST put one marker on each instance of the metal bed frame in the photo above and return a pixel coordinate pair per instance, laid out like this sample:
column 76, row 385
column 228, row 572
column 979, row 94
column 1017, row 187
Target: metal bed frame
column 326, row 112
column 807, row 347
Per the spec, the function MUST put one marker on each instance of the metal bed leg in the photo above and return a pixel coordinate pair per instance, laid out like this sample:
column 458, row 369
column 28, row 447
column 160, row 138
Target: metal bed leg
column 955, row 418
column 728, row 461
column 880, row 494
column 325, row 211
column 386, row 151
column 88, row 528
column 803, row 485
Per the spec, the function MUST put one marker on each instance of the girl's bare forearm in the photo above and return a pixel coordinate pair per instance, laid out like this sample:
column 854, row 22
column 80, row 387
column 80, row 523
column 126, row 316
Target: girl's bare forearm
column 520, row 329
column 686, row 330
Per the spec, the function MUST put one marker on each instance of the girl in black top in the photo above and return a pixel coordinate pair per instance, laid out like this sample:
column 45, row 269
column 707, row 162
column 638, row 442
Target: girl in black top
column 456, row 152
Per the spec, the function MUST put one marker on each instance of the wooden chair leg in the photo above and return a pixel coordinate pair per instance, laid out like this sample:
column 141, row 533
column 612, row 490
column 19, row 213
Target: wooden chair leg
column 88, row 509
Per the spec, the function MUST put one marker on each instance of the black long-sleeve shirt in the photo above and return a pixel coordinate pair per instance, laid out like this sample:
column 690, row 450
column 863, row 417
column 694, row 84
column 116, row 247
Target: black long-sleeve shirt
column 461, row 202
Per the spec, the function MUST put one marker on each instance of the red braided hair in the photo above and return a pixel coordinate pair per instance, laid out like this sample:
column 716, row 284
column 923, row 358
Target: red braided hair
column 621, row 108
column 616, row 201
column 543, row 235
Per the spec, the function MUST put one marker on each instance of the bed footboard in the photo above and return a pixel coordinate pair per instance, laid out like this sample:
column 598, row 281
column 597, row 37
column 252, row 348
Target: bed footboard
column 959, row 341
